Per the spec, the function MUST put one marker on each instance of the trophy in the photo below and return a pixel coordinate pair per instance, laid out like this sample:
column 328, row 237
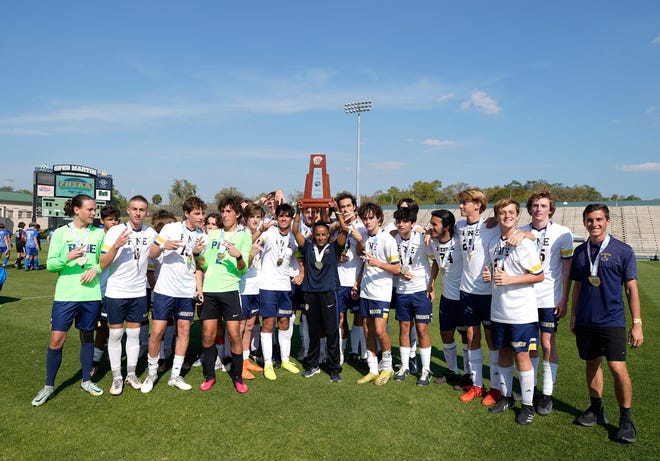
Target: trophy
column 317, row 184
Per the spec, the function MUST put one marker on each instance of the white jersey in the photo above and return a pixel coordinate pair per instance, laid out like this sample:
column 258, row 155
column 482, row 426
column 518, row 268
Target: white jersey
column 376, row 283
column 278, row 260
column 176, row 277
column 127, row 273
column 514, row 304
column 414, row 257
column 554, row 244
column 474, row 240
column 449, row 258
column 250, row 281
column 348, row 269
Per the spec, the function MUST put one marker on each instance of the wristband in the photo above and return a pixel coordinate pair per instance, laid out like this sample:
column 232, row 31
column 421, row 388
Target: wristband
column 637, row 321
column 239, row 258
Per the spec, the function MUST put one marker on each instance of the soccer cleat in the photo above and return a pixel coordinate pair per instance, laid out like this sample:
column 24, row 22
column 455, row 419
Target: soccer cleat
column 240, row 387
column 424, row 378
column 219, row 365
column 117, row 386
column 290, row 367
column 626, row 432
column 335, row 377
column 544, row 407
column 401, row 374
column 450, row 378
column 134, row 381
column 148, row 383
column 591, row 417
column 178, row 382
column 269, row 372
column 502, row 405
column 247, row 374
column 197, row 363
column 367, row 378
column 309, row 372
column 247, row 365
column 207, row 384
column 43, row 395
column 91, row 388
column 384, row 377
column 492, row 396
column 412, row 365
column 471, row 393
column 526, row 415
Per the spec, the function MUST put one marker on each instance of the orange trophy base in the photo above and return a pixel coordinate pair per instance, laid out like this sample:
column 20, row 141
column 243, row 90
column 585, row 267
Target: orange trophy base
column 317, row 183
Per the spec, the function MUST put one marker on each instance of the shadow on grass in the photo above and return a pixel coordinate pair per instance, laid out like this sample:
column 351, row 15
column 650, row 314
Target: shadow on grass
column 8, row 299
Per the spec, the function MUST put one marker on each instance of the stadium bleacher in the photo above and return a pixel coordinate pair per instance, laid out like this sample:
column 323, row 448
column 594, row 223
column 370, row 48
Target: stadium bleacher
column 637, row 225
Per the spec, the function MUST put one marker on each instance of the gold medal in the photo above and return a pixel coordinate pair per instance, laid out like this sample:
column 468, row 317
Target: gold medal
column 594, row 280
column 220, row 257
column 280, row 261
column 82, row 260
column 404, row 270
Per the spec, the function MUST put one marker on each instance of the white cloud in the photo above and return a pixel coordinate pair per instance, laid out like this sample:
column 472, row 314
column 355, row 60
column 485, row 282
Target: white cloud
column 388, row 166
column 655, row 41
column 481, row 102
column 438, row 142
column 646, row 167
column 444, row 97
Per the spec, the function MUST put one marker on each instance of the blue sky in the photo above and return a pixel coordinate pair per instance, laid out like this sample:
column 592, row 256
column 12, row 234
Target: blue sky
column 241, row 93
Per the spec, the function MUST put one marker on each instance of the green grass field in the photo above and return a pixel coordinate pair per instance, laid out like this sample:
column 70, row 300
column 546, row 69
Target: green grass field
column 297, row 418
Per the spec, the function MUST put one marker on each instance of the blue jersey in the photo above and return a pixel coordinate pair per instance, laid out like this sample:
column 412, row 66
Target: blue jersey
column 603, row 306
column 31, row 234
column 321, row 275
column 3, row 234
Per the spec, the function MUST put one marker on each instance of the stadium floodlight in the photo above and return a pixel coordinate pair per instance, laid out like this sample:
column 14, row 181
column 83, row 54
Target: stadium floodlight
column 357, row 108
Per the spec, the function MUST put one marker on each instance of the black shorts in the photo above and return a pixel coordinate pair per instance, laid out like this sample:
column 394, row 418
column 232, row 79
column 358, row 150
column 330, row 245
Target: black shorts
column 608, row 342
column 221, row 306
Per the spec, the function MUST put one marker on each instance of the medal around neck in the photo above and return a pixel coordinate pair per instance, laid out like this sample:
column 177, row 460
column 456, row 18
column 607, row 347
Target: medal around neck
column 594, row 280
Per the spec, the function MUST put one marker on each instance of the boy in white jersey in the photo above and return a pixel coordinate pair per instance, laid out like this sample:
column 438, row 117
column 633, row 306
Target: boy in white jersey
column 512, row 271
column 125, row 253
column 175, row 288
column 448, row 262
column 275, row 291
column 349, row 262
column 475, row 293
column 412, row 299
column 554, row 244
column 374, row 287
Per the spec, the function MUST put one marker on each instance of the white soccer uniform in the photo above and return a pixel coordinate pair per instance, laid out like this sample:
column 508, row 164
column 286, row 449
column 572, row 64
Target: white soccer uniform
column 377, row 283
column 414, row 256
column 514, row 304
column 348, row 269
column 449, row 257
column 554, row 244
column 474, row 240
column 278, row 247
column 250, row 282
column 176, row 277
column 127, row 274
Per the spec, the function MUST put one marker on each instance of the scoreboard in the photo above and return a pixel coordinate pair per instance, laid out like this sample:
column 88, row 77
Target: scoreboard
column 54, row 186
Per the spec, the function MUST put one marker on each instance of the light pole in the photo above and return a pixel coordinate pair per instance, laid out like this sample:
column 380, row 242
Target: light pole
column 352, row 108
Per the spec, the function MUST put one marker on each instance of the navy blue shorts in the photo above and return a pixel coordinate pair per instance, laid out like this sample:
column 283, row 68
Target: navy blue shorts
column 416, row 306
column 476, row 309
column 451, row 315
column 374, row 309
column 275, row 304
column 547, row 320
column 519, row 337
column 85, row 313
column 132, row 310
column 608, row 342
column 346, row 302
column 164, row 307
column 250, row 306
